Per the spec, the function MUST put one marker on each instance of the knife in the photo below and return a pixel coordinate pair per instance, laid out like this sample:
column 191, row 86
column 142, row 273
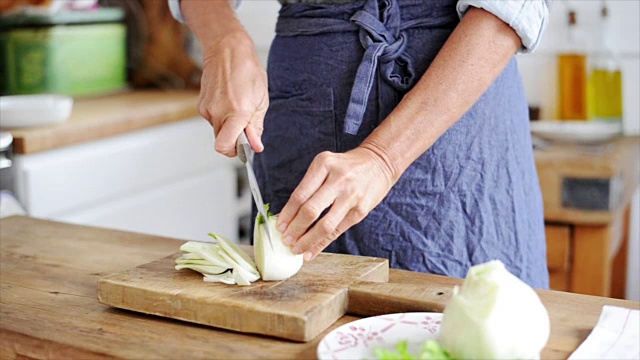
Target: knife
column 245, row 154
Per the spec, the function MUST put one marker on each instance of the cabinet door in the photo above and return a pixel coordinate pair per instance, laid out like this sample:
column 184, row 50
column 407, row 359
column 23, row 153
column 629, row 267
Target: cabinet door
column 187, row 210
column 558, row 255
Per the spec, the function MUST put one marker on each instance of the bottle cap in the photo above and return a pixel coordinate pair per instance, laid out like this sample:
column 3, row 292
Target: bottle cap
column 572, row 17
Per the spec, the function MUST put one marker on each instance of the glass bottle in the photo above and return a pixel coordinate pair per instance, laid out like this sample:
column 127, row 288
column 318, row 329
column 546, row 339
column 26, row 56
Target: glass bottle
column 605, row 80
column 572, row 74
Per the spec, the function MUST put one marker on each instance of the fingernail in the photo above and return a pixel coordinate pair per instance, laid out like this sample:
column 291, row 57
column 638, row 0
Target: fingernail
column 308, row 256
column 282, row 227
column 288, row 240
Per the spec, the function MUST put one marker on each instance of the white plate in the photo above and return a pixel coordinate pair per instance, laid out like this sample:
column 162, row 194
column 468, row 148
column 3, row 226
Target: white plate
column 360, row 338
column 581, row 132
column 21, row 111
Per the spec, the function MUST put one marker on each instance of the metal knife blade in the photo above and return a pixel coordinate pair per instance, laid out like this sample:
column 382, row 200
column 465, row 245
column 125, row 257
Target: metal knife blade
column 245, row 154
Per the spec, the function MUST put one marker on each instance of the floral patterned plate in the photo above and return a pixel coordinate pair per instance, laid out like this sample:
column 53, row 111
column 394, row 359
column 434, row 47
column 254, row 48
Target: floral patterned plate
column 359, row 339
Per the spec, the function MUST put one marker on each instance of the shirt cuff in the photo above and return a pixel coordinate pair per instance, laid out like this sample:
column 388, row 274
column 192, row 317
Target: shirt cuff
column 528, row 18
column 174, row 7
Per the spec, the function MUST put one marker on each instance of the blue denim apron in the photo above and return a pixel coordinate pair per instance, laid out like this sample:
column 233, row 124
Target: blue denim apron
column 336, row 71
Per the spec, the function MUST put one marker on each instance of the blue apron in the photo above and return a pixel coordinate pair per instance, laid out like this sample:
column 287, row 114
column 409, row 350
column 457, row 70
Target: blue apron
column 335, row 73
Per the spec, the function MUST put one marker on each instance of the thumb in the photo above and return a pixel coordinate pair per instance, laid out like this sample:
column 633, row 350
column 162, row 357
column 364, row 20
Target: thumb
column 254, row 131
column 229, row 133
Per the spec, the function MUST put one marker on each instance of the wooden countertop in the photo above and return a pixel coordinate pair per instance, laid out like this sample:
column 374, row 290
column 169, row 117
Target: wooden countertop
column 49, row 307
column 100, row 117
column 615, row 164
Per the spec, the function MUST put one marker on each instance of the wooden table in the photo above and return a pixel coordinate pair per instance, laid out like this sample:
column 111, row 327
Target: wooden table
column 587, row 193
column 49, row 308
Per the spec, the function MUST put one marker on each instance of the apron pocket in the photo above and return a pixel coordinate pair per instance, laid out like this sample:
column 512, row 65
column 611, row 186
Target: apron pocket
column 299, row 124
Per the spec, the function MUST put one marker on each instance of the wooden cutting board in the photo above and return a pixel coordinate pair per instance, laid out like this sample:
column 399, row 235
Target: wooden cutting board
column 298, row 308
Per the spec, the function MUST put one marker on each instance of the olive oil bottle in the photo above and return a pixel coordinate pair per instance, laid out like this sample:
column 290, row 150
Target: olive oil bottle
column 572, row 75
column 605, row 78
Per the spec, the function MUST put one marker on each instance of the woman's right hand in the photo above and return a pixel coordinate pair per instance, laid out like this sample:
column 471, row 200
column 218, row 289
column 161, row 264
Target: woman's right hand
column 234, row 91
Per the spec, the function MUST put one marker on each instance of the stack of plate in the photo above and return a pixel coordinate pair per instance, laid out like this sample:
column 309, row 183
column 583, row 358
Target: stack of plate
column 579, row 132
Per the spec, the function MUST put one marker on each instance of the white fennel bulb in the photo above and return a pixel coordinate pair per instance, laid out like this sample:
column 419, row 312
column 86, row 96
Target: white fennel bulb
column 279, row 262
column 494, row 315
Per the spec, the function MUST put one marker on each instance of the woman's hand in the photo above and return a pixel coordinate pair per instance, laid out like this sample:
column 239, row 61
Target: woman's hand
column 351, row 184
column 234, row 92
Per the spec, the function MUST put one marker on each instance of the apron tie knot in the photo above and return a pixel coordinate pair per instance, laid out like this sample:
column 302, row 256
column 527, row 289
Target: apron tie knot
column 379, row 32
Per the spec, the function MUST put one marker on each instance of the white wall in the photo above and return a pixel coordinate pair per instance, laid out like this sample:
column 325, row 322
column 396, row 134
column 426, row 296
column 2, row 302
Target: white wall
column 538, row 71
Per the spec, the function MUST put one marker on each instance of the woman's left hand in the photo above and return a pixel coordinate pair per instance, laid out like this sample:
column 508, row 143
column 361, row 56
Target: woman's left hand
column 351, row 184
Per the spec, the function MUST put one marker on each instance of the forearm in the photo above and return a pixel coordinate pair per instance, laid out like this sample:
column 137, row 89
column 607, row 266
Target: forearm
column 210, row 21
column 471, row 59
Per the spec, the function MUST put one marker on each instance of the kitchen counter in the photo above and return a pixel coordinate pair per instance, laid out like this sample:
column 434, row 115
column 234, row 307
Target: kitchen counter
column 100, row 117
column 48, row 282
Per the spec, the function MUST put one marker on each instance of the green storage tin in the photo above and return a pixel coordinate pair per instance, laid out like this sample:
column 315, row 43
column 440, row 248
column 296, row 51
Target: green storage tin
column 73, row 53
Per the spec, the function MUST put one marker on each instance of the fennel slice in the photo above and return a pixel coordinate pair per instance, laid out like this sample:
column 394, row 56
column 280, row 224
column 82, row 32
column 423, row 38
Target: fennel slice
column 238, row 255
column 226, row 278
column 203, row 269
column 181, row 261
column 237, row 268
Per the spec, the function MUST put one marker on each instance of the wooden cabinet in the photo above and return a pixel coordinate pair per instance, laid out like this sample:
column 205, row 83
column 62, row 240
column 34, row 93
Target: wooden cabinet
column 587, row 195
column 558, row 261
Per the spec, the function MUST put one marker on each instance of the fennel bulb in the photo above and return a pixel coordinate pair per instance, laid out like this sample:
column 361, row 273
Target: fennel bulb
column 279, row 262
column 494, row 315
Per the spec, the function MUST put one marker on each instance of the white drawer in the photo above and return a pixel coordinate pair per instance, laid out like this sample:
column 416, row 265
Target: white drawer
column 59, row 181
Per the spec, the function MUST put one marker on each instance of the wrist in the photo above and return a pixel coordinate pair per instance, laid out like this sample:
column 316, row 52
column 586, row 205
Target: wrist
column 382, row 159
column 236, row 42
column 211, row 21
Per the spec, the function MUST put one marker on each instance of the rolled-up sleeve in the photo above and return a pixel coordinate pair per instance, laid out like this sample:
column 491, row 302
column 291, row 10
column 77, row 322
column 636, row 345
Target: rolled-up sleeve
column 174, row 7
column 527, row 17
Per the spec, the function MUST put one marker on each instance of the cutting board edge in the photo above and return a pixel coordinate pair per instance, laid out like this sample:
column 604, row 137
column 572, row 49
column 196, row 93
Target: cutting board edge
column 294, row 324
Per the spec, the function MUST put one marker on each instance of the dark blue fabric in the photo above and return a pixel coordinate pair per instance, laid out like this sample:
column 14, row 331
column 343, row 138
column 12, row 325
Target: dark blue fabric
column 336, row 72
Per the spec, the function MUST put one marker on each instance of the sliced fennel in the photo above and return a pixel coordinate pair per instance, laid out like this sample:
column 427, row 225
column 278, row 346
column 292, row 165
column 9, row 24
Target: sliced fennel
column 220, row 261
column 279, row 262
column 225, row 262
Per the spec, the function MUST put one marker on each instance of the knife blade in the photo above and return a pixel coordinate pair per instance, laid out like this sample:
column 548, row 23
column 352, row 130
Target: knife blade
column 245, row 154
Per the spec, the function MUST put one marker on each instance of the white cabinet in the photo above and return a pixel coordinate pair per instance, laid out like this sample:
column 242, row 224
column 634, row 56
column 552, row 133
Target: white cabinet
column 165, row 180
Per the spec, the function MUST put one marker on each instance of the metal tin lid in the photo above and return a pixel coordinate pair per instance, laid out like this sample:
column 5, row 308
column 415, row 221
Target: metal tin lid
column 6, row 139
column 64, row 17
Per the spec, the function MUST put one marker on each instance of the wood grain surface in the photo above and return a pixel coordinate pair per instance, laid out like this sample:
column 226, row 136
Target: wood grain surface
column 49, row 307
column 99, row 117
column 298, row 308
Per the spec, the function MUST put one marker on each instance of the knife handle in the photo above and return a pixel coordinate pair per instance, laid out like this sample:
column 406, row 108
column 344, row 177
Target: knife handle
column 243, row 147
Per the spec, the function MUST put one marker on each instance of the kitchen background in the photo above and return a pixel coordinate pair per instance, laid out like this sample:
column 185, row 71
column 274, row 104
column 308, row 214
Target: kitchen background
column 122, row 160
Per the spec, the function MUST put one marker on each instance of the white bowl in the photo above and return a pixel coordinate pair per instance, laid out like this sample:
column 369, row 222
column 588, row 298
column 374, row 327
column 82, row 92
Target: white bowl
column 580, row 132
column 21, row 111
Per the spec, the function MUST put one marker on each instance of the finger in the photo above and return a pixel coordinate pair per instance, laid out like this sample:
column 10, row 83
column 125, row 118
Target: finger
column 254, row 131
column 326, row 230
column 353, row 217
column 309, row 212
column 313, row 179
column 229, row 132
